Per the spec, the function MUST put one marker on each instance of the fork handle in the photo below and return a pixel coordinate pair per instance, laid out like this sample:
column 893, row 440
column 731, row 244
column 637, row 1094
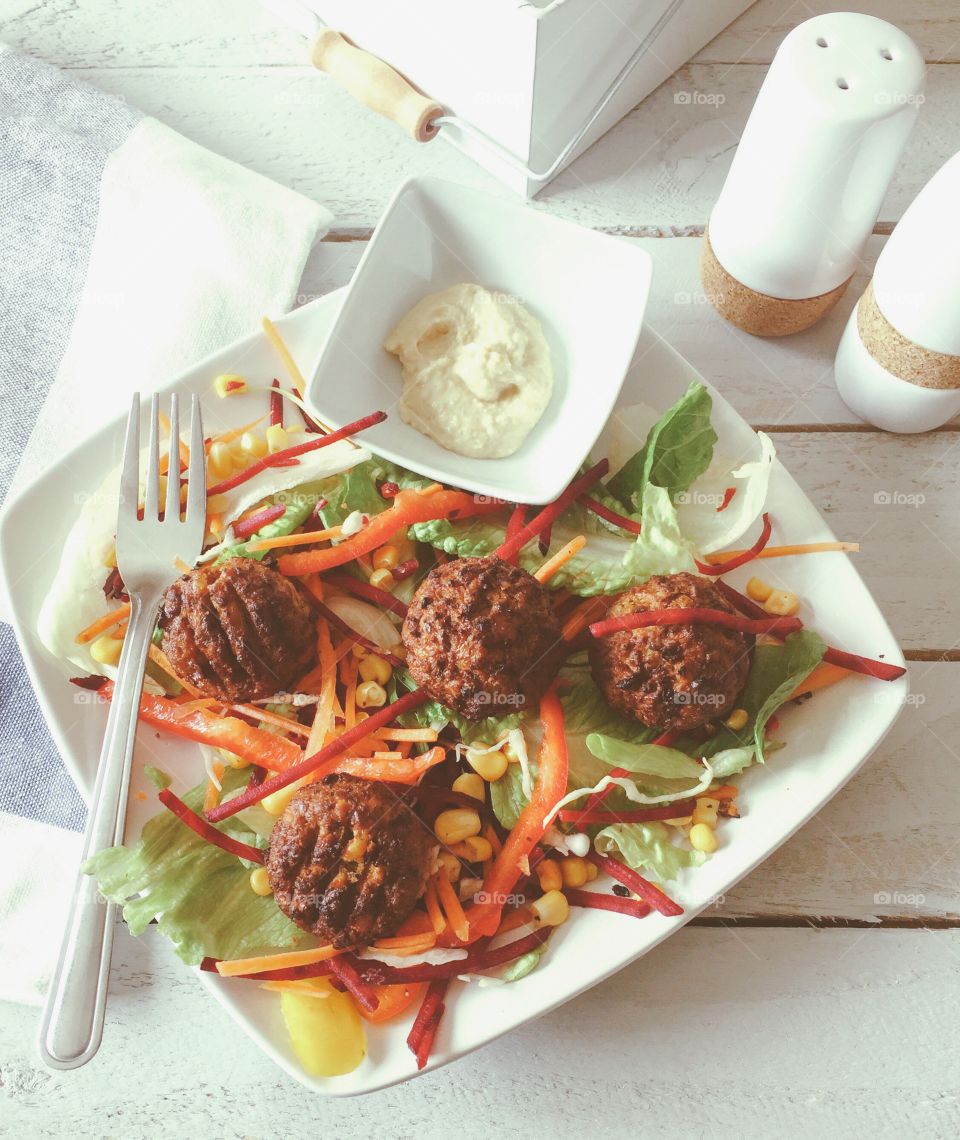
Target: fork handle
column 72, row 1024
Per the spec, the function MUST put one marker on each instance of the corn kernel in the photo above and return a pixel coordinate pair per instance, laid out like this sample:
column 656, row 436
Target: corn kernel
column 706, row 811
column 782, row 603
column 737, row 719
column 106, row 650
column 551, row 909
column 513, row 757
column 276, row 438
column 370, row 695
column 382, row 579
column 549, row 874
column 254, row 445
column 111, row 559
column 359, row 651
column 450, row 865
column 475, row 849
column 227, row 384
column 276, row 803
column 680, row 821
column 386, row 557
column 374, row 668
column 220, row 460
column 470, row 784
column 455, row 825
column 703, row 838
column 592, row 872
column 260, row 882
column 573, row 870
column 758, row 590
column 488, row 765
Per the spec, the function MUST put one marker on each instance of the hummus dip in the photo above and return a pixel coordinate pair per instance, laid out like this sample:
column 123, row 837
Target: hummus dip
column 477, row 373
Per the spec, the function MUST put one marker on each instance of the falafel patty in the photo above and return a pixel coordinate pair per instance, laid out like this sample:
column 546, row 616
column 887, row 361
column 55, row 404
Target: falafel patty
column 348, row 860
column 237, row 631
column 678, row 676
column 482, row 637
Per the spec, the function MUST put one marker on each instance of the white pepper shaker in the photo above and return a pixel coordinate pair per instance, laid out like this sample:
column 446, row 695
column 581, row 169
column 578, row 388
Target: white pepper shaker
column 811, row 171
column 898, row 364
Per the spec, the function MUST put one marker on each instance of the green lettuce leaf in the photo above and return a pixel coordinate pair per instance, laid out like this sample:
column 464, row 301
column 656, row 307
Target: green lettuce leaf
column 677, row 451
column 433, row 714
column 299, row 503
column 647, row 847
column 644, row 759
column 199, row 895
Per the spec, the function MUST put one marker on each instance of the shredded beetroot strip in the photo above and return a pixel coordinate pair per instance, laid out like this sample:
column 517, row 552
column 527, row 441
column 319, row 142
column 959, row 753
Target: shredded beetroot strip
column 869, row 667
column 427, row 1022
column 713, row 570
column 693, row 615
column 512, row 546
column 344, row 971
column 594, row 900
column 276, row 405
column 367, row 592
column 640, row 815
column 727, row 499
column 283, row 458
column 636, row 883
column 205, row 831
column 309, row 421
column 320, row 761
column 611, row 516
column 358, row 638
column 251, row 525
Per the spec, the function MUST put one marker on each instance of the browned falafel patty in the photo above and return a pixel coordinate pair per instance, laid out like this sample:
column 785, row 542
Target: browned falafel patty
column 348, row 860
column 678, row 676
column 237, row 631
column 482, row 637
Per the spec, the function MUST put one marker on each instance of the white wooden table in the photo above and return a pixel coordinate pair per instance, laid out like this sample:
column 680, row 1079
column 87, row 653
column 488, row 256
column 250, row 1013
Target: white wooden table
column 820, row 997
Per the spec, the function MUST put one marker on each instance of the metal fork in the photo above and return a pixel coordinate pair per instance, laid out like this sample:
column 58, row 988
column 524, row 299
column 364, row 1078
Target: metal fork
column 147, row 553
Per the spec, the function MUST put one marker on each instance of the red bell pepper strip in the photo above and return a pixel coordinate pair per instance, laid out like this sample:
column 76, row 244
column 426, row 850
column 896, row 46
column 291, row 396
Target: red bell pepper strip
column 324, row 760
column 693, row 615
column 515, row 525
column 248, row 526
column 408, row 507
column 604, row 512
column 427, row 1022
column 289, row 454
column 276, row 405
column 552, row 774
column 727, row 499
column 207, row 831
column 715, row 569
column 880, row 670
column 550, row 513
column 229, row 732
column 594, row 900
column 636, row 883
column 368, row 593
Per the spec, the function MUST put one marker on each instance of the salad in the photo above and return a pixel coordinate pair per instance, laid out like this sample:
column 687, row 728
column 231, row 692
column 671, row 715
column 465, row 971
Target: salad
column 430, row 726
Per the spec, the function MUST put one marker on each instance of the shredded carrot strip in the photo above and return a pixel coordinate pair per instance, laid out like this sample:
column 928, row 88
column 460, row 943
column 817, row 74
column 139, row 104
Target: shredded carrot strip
column 724, row 792
column 273, row 718
column 823, row 675
column 447, row 898
column 323, row 719
column 183, row 567
column 490, row 835
column 157, row 655
column 581, row 617
column 235, row 433
column 563, row 555
column 259, row 965
column 296, row 987
column 348, row 676
column 437, row 921
column 411, row 943
column 120, row 632
column 103, row 623
column 388, row 755
column 295, row 539
column 785, row 551
column 212, row 795
column 514, row 919
column 416, row 735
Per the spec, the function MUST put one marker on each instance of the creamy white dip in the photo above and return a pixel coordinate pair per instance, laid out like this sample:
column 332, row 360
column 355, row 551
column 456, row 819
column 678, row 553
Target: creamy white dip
column 476, row 367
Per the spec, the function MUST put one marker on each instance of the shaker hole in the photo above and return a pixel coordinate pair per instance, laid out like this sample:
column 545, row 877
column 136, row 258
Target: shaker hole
column 886, row 53
column 821, row 42
column 843, row 85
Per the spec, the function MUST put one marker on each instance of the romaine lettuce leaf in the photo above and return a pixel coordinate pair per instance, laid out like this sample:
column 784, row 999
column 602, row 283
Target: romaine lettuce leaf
column 648, row 847
column 199, row 894
column 433, row 714
column 299, row 504
column 644, row 759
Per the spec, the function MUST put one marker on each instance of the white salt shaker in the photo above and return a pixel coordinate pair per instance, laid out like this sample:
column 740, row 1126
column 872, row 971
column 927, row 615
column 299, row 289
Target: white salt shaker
column 810, row 173
column 898, row 364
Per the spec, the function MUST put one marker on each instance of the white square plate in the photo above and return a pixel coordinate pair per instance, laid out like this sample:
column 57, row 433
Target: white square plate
column 827, row 739
column 588, row 291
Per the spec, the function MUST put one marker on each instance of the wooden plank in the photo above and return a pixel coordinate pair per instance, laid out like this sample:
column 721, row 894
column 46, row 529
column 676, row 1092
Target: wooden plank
column 934, row 25
column 719, row 1033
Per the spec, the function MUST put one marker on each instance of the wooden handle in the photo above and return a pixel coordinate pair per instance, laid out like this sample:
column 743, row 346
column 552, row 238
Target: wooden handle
column 375, row 84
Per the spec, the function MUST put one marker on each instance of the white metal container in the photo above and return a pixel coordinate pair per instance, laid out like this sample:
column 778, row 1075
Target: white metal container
column 527, row 86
